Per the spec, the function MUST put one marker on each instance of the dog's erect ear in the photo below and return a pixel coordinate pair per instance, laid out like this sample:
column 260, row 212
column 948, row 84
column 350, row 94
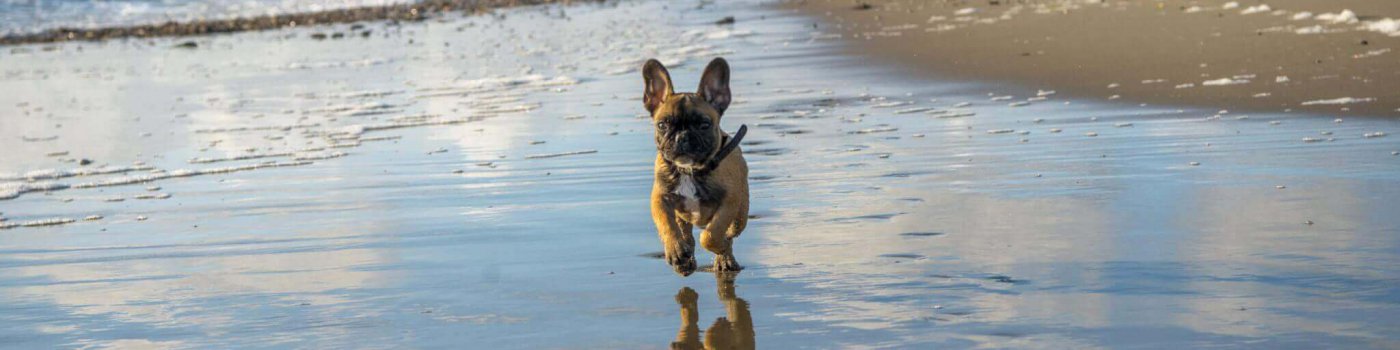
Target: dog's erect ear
column 714, row 85
column 658, row 82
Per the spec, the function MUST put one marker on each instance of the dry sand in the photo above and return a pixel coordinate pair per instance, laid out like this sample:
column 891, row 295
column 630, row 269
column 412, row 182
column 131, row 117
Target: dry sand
column 1159, row 52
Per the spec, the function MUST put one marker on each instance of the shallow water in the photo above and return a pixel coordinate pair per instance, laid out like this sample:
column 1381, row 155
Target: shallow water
column 876, row 225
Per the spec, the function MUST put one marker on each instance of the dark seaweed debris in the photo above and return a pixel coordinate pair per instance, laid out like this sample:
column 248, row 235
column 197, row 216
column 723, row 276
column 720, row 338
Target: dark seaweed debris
column 921, row 234
column 398, row 12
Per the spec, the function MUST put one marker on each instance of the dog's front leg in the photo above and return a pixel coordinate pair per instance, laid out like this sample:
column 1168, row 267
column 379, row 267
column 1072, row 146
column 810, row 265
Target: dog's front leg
column 679, row 253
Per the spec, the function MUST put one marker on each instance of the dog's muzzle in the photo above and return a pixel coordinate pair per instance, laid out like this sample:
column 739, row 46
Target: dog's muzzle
column 689, row 148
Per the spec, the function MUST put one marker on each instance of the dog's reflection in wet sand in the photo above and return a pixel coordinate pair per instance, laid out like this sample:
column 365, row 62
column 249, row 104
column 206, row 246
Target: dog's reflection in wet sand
column 733, row 331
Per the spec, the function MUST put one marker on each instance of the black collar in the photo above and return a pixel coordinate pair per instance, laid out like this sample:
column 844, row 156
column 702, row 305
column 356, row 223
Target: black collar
column 729, row 144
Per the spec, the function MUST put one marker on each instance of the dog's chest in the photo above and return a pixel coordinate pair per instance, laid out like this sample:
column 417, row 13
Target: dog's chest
column 689, row 189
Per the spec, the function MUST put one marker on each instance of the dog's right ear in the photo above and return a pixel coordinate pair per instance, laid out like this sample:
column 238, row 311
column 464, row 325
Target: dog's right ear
column 658, row 82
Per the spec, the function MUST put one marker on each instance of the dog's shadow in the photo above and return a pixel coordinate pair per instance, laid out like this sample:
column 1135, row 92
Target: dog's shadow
column 733, row 331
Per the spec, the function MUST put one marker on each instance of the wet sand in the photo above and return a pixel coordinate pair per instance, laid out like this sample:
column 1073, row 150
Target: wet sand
column 1245, row 56
column 450, row 185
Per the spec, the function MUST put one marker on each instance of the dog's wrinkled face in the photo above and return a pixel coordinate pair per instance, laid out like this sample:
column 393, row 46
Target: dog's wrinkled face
column 686, row 129
column 687, row 124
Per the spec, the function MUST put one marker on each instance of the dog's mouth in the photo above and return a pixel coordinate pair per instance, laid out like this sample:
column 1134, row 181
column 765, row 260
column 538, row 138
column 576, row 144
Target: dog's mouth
column 693, row 154
column 685, row 160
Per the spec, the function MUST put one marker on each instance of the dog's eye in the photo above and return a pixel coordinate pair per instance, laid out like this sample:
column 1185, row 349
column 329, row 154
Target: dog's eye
column 663, row 126
column 705, row 126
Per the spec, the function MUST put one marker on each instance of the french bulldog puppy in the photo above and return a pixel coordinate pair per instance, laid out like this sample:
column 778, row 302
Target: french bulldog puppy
column 701, row 176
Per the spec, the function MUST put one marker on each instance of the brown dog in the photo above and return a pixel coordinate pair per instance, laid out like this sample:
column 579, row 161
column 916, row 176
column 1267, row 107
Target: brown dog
column 701, row 176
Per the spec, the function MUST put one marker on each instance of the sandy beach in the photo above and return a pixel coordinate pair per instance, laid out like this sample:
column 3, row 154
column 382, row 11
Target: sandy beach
column 480, row 180
column 1332, row 57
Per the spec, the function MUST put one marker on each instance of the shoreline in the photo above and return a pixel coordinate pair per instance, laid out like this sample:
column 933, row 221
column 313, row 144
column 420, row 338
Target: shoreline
column 413, row 12
column 1206, row 54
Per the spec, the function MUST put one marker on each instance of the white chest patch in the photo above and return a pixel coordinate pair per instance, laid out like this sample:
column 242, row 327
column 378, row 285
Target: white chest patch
column 687, row 188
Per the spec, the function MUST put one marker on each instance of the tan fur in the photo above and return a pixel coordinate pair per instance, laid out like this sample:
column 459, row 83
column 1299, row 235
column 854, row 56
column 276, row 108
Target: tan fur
column 720, row 222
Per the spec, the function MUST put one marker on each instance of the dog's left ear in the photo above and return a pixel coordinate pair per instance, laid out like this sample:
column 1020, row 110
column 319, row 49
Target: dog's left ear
column 714, row 85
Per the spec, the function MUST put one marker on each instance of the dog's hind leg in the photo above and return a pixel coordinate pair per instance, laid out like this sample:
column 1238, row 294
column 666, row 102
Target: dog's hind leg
column 716, row 239
column 740, row 222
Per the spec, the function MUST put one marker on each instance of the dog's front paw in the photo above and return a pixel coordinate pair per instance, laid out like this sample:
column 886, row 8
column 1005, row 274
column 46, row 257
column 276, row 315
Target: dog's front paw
column 726, row 263
column 682, row 260
column 685, row 268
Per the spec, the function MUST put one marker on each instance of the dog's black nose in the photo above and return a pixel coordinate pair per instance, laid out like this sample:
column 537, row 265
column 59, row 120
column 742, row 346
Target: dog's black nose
column 683, row 141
